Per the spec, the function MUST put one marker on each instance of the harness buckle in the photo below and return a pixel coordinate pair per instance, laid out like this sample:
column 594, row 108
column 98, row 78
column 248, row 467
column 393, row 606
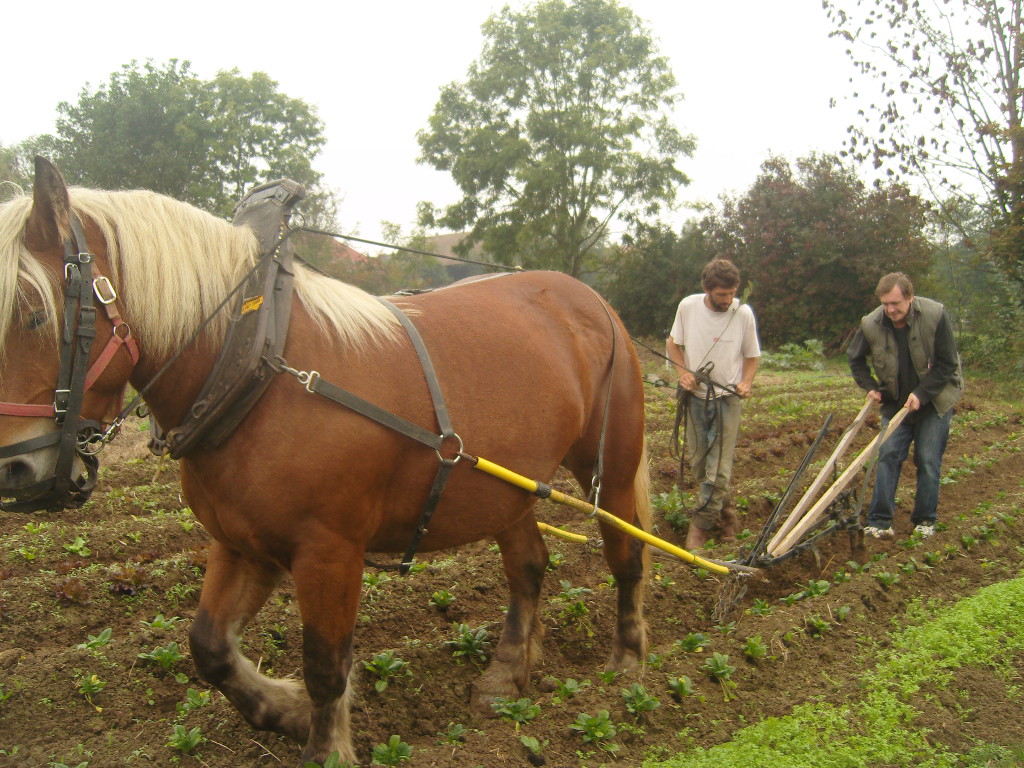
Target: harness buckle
column 62, row 395
column 104, row 290
column 458, row 454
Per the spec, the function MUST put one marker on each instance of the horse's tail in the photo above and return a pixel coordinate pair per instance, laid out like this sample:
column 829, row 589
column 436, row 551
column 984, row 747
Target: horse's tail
column 642, row 502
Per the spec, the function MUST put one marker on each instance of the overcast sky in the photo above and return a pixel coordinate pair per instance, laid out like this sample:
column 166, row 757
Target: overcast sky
column 757, row 76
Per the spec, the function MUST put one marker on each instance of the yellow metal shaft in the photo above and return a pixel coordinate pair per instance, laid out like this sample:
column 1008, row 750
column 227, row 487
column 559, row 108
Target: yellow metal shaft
column 532, row 485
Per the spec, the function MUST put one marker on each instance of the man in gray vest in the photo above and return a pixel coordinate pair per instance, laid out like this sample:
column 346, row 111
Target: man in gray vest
column 909, row 344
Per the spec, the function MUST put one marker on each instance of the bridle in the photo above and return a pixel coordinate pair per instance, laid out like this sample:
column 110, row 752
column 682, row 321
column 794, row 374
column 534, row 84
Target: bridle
column 76, row 437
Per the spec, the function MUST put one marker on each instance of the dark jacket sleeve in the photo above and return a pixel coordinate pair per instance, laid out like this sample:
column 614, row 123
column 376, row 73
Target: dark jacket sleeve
column 943, row 367
column 857, row 355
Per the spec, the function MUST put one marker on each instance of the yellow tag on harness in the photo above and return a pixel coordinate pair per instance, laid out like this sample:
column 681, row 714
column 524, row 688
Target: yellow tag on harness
column 251, row 305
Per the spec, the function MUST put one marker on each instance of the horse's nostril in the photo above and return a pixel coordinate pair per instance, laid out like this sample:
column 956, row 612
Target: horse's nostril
column 16, row 474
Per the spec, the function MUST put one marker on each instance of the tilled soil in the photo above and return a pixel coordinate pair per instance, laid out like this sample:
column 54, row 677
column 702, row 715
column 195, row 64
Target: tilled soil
column 134, row 555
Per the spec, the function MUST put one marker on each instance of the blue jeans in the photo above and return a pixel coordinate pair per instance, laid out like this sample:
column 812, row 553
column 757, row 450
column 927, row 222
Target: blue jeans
column 929, row 435
column 711, row 433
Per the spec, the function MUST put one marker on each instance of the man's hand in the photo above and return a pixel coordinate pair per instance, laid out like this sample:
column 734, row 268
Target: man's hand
column 875, row 395
column 743, row 389
column 687, row 380
column 912, row 402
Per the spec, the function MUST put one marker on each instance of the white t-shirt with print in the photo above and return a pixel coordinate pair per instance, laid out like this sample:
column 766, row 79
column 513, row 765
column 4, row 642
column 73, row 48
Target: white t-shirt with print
column 722, row 338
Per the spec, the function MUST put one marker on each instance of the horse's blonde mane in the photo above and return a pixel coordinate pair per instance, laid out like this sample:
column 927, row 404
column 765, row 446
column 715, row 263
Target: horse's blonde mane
column 173, row 265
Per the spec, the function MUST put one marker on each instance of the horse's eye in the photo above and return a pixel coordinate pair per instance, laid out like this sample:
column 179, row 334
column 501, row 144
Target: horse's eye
column 37, row 320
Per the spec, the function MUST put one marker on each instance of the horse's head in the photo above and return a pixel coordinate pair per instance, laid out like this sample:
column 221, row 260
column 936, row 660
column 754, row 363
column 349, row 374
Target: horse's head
column 58, row 387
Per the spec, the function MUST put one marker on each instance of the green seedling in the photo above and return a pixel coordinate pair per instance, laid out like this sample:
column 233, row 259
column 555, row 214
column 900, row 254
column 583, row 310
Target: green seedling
column 817, row 626
column 333, row 761
column 78, row 547
column 456, row 734
column 394, row 752
column 442, row 599
column 681, row 687
column 469, row 643
column 694, row 642
column 639, row 701
column 95, row 642
column 164, row 657
column 596, row 729
column 159, row 622
column 759, row 608
column 569, row 688
column 755, row 649
column 886, row 579
column 193, row 700
column 185, row 740
column 518, row 711
column 385, row 666
column 89, row 686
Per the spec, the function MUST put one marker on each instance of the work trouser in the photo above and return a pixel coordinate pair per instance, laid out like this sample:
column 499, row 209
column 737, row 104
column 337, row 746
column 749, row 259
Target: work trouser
column 929, row 433
column 712, row 428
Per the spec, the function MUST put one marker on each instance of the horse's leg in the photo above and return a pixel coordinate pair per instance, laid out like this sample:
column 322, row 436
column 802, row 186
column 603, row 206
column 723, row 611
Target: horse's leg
column 233, row 591
column 525, row 557
column 328, row 581
column 628, row 561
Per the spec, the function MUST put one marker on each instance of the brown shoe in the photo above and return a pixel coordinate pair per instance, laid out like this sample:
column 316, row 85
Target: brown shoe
column 695, row 537
column 729, row 524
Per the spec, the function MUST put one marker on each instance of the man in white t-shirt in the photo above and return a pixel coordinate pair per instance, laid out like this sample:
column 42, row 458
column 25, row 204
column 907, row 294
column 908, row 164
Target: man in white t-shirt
column 713, row 344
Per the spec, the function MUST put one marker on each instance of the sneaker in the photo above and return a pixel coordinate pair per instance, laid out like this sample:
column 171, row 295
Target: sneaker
column 925, row 530
column 879, row 533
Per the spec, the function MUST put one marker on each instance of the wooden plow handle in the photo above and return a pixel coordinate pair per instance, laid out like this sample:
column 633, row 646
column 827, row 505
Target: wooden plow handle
column 826, row 471
column 814, row 513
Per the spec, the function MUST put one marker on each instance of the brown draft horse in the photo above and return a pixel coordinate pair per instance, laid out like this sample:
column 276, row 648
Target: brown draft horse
column 307, row 486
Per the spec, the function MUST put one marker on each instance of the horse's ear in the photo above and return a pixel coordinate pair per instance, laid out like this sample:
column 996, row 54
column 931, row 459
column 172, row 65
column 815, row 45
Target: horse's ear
column 49, row 223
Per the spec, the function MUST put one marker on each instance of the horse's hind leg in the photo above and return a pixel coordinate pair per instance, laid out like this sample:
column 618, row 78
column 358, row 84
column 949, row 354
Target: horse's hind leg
column 234, row 590
column 627, row 560
column 525, row 557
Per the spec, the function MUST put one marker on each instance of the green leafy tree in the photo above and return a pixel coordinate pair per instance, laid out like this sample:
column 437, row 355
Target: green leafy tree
column 651, row 271
column 560, row 127
column 949, row 106
column 813, row 243
column 160, row 127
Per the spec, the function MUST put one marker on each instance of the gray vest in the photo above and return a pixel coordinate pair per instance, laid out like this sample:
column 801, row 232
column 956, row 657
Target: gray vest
column 923, row 319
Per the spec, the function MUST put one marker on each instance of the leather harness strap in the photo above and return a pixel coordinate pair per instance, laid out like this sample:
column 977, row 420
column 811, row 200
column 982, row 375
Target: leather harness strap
column 315, row 383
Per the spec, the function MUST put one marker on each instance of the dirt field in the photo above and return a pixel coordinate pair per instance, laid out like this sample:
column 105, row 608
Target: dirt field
column 132, row 560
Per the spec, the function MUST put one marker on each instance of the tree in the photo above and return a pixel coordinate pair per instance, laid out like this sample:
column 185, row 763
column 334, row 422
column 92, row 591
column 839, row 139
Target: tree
column 651, row 272
column 950, row 107
column 813, row 244
column 560, row 127
column 204, row 142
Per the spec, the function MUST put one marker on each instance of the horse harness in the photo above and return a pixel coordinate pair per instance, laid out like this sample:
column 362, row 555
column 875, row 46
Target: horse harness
column 75, row 437
column 251, row 353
